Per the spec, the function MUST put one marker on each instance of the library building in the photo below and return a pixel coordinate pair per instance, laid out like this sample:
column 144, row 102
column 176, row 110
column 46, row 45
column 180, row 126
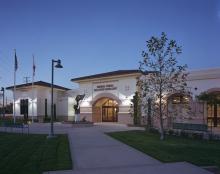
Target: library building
column 107, row 98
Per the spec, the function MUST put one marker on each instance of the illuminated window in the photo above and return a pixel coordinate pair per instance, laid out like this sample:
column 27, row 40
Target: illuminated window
column 180, row 99
column 110, row 102
column 185, row 99
column 176, row 100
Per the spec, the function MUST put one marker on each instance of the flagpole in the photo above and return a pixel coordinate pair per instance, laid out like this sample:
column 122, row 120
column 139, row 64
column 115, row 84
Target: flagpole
column 33, row 73
column 14, row 88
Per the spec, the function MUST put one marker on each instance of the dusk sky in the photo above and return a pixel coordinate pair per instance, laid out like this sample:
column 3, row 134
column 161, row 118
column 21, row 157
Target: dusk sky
column 95, row 36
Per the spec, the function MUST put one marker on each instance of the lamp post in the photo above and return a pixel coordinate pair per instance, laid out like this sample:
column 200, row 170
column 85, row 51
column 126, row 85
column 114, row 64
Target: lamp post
column 58, row 65
column 3, row 96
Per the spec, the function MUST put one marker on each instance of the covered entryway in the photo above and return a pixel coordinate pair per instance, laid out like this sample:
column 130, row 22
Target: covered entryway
column 105, row 110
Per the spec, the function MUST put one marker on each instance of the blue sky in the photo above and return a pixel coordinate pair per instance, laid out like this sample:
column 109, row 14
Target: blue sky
column 94, row 36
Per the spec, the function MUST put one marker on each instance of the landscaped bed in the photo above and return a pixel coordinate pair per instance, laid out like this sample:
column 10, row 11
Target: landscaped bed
column 33, row 154
column 172, row 149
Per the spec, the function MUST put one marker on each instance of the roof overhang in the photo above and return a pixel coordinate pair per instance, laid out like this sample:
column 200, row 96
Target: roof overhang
column 108, row 75
column 28, row 86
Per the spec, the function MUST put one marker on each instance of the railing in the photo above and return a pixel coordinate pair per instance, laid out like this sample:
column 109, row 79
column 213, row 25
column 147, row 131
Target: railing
column 190, row 126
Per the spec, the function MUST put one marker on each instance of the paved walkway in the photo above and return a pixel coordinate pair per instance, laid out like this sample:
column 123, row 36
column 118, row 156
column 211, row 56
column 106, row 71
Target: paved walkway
column 93, row 152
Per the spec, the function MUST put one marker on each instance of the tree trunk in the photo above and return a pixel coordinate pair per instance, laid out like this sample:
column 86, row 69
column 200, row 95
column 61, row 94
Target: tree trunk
column 149, row 114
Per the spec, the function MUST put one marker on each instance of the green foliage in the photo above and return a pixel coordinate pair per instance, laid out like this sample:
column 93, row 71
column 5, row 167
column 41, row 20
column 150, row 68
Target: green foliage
column 135, row 109
column 210, row 98
column 153, row 130
column 18, row 120
column 25, row 154
column 174, row 149
column 11, row 120
column 197, row 136
column 47, row 119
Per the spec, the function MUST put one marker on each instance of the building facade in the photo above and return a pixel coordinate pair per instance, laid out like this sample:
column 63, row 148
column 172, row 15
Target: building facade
column 108, row 98
column 207, row 80
column 35, row 101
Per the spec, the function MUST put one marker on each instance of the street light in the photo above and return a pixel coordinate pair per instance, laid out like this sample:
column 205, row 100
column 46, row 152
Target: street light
column 58, row 65
column 3, row 96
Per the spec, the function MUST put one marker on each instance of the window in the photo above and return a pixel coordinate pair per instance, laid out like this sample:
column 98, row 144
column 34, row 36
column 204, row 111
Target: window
column 180, row 99
column 23, row 106
column 110, row 102
column 45, row 107
column 176, row 99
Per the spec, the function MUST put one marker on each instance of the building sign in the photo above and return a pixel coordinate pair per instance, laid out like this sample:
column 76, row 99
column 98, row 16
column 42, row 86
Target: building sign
column 104, row 87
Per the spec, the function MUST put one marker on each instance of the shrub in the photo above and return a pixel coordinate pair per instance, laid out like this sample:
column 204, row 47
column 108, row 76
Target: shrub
column 170, row 132
column 46, row 119
column 184, row 133
column 197, row 135
column 153, row 130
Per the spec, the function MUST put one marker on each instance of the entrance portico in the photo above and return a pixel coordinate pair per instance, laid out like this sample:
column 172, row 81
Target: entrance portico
column 108, row 96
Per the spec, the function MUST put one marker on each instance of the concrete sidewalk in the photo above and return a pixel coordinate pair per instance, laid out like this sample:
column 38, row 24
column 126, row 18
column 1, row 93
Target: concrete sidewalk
column 93, row 152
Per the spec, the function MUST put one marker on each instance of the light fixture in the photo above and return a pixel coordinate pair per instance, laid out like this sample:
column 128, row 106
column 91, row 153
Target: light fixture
column 58, row 65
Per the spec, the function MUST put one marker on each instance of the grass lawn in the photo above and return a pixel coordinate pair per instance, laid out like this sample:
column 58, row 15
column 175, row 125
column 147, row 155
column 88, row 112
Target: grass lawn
column 173, row 149
column 33, row 154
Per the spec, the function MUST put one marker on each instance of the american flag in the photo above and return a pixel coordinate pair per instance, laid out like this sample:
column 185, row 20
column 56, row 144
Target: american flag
column 34, row 66
column 16, row 62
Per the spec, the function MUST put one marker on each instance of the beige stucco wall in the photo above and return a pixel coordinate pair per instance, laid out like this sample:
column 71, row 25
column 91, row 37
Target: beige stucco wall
column 26, row 94
column 63, row 102
column 198, row 81
column 123, row 89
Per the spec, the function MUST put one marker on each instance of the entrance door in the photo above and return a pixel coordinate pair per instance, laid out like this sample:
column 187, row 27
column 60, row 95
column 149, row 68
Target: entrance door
column 105, row 110
column 24, row 108
column 109, row 114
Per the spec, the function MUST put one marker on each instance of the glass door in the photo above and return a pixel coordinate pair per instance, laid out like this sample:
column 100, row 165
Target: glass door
column 109, row 114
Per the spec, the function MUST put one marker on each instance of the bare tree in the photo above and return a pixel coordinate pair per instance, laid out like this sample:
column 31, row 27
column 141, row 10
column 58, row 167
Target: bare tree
column 162, row 75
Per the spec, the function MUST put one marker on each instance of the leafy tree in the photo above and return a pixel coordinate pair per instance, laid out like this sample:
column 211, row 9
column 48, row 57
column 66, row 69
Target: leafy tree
column 162, row 75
